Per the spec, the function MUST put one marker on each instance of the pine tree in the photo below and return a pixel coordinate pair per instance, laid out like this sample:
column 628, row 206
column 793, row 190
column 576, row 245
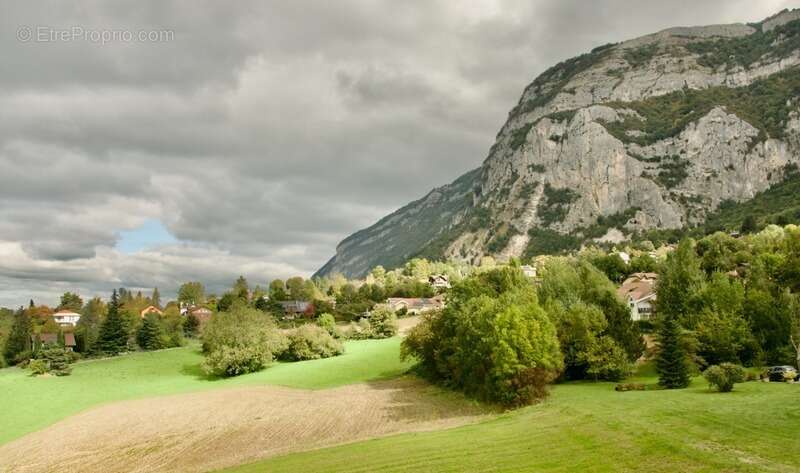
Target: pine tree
column 671, row 364
column 113, row 337
column 155, row 299
column 150, row 335
column 18, row 343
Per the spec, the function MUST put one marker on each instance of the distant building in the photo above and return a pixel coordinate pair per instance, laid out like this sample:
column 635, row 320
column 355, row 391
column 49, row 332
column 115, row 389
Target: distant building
column 625, row 257
column 639, row 293
column 52, row 339
column 439, row 281
column 202, row 314
column 151, row 309
column 415, row 305
column 66, row 318
column 529, row 271
column 294, row 309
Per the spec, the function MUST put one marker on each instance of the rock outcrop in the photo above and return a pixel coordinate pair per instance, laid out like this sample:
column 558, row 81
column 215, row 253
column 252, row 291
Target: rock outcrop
column 651, row 133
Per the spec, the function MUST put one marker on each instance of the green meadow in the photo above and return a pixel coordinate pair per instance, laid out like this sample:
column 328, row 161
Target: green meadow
column 32, row 403
column 590, row 427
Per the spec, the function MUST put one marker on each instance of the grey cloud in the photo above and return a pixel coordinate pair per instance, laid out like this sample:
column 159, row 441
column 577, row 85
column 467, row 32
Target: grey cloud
column 264, row 132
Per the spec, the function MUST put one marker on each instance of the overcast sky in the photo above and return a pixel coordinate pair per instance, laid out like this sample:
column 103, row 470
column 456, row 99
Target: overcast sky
column 251, row 137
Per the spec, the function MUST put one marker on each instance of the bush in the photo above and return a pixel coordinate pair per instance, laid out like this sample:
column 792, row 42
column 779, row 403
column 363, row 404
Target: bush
column 37, row 367
column 310, row 342
column 383, row 323
column 622, row 387
column 724, row 376
column 241, row 341
column 56, row 360
column 327, row 322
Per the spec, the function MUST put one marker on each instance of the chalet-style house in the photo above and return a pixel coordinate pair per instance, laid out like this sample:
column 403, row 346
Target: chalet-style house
column 294, row 309
column 439, row 281
column 203, row 314
column 413, row 305
column 52, row 339
column 639, row 292
column 66, row 318
column 151, row 309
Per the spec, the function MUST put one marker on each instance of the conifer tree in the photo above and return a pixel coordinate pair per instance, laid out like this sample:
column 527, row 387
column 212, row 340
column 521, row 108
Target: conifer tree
column 150, row 335
column 19, row 338
column 113, row 336
column 155, row 299
column 671, row 364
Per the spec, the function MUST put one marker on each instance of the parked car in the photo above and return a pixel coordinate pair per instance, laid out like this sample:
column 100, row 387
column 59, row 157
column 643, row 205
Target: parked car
column 782, row 373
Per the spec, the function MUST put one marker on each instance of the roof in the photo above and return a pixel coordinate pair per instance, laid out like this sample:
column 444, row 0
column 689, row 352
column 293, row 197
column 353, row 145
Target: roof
column 416, row 303
column 66, row 313
column 200, row 310
column 150, row 309
column 296, row 306
column 638, row 288
column 48, row 337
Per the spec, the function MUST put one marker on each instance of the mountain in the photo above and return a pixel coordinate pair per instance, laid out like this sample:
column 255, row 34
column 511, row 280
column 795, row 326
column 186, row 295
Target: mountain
column 657, row 132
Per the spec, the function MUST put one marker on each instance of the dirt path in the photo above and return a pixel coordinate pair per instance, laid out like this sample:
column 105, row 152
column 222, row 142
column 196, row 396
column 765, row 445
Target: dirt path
column 210, row 430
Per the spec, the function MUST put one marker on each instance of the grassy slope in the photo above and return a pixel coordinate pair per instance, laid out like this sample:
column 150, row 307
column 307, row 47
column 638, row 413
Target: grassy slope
column 28, row 404
column 590, row 427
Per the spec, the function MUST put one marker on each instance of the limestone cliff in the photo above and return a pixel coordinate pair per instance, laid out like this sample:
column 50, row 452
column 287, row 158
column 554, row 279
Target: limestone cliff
column 651, row 133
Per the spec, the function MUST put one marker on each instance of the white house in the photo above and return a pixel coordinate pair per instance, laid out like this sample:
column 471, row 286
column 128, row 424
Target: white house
column 439, row 281
column 639, row 293
column 529, row 271
column 66, row 318
column 625, row 257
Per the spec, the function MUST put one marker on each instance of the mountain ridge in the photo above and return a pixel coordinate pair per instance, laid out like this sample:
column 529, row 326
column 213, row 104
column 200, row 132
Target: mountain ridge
column 651, row 133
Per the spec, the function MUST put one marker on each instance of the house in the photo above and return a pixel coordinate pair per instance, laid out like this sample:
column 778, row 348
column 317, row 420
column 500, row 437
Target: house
column 66, row 318
column 639, row 293
column 151, row 309
column 529, row 271
column 439, row 281
column 292, row 309
column 48, row 338
column 625, row 257
column 202, row 314
column 415, row 305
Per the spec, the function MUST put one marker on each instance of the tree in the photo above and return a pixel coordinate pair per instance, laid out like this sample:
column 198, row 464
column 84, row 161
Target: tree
column 192, row 293
column 296, row 288
column 672, row 365
column 87, row 330
column 327, row 322
column 113, row 336
column 493, row 340
column 749, row 224
column 18, row 343
column 70, row 301
column 150, row 335
column 191, row 325
column 794, row 334
column 383, row 323
column 277, row 290
column 155, row 299
column 241, row 290
column 679, row 283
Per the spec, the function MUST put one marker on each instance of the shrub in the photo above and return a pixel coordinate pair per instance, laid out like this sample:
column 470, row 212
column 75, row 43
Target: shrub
column 241, row 341
column 383, row 323
column 622, row 387
column 191, row 325
column 327, row 322
column 724, row 376
column 150, row 335
column 310, row 342
column 37, row 367
column 56, row 360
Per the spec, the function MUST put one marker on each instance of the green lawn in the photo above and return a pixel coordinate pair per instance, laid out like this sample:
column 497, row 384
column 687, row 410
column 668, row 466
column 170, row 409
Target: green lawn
column 590, row 427
column 28, row 404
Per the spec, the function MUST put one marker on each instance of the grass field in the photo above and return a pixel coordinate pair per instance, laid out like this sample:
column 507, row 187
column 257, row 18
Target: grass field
column 591, row 427
column 28, row 404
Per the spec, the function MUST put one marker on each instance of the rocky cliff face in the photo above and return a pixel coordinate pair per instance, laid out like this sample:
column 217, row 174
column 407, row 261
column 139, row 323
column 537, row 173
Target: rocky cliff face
column 650, row 133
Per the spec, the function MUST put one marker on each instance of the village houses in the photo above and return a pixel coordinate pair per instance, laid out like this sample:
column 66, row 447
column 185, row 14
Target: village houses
column 639, row 293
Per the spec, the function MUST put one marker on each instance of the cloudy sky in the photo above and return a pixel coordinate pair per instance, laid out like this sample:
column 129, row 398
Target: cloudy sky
column 153, row 142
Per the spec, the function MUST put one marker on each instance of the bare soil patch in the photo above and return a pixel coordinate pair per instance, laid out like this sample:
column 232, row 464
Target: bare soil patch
column 210, row 430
